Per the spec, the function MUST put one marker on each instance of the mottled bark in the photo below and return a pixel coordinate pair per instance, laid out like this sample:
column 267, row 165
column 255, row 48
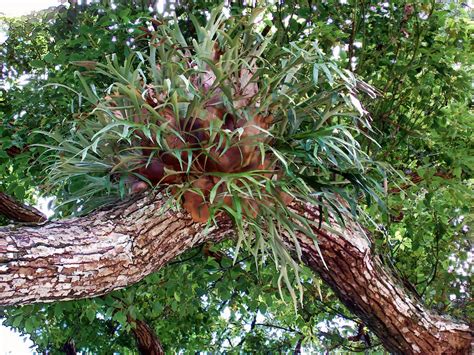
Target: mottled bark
column 19, row 212
column 111, row 249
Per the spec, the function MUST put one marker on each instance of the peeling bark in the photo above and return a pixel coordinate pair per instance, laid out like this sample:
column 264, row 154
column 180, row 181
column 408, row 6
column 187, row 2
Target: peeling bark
column 111, row 249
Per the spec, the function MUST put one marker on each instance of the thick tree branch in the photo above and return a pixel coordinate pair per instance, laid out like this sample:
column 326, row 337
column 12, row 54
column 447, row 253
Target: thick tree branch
column 364, row 285
column 111, row 249
column 93, row 255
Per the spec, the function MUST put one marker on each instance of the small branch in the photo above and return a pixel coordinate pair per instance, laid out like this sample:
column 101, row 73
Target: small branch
column 279, row 327
column 147, row 341
column 298, row 346
column 416, row 179
column 351, row 39
column 181, row 261
column 19, row 212
column 69, row 347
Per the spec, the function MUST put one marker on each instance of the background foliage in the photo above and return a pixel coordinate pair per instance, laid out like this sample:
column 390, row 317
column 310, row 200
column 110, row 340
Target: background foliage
column 416, row 53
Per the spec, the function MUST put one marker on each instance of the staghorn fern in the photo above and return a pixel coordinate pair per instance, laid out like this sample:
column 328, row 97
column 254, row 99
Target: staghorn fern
column 228, row 123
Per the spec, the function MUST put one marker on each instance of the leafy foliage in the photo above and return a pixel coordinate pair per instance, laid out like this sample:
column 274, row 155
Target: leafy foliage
column 417, row 54
column 230, row 124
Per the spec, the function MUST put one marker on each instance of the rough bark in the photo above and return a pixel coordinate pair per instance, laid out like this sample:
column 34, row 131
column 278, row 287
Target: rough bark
column 91, row 256
column 369, row 290
column 111, row 249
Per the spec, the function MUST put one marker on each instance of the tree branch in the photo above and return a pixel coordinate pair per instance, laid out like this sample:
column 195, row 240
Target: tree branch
column 369, row 290
column 93, row 255
column 111, row 249
column 69, row 347
column 147, row 341
column 19, row 212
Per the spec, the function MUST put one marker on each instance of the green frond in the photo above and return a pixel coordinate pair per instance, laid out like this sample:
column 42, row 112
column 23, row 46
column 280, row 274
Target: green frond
column 227, row 123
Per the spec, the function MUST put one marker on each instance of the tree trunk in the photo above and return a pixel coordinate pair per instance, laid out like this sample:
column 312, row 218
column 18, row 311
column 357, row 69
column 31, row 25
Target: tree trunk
column 111, row 249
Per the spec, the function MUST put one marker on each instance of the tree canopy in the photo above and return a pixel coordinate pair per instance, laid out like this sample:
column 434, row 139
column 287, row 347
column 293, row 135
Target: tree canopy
column 359, row 109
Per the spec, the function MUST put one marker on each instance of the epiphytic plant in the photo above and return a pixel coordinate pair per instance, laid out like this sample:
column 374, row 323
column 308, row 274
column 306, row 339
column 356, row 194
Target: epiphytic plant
column 225, row 122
